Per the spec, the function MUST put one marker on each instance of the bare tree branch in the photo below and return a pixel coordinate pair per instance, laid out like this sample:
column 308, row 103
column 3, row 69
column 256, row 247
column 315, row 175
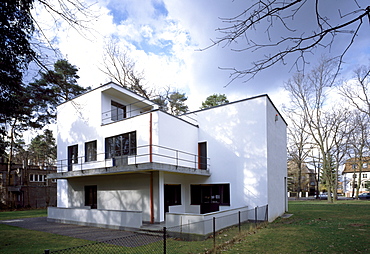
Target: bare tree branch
column 293, row 42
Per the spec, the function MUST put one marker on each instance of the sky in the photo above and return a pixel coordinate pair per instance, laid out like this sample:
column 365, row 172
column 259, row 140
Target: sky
column 164, row 38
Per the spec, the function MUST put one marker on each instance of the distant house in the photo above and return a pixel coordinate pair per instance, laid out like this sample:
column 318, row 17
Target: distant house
column 351, row 173
column 308, row 180
column 28, row 186
column 122, row 161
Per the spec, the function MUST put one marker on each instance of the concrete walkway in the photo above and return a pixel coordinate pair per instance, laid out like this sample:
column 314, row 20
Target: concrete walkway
column 82, row 232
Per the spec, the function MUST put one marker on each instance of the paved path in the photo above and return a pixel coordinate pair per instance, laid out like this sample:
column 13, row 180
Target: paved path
column 83, row 232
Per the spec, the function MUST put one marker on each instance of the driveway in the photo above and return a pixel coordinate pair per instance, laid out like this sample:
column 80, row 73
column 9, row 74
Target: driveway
column 76, row 231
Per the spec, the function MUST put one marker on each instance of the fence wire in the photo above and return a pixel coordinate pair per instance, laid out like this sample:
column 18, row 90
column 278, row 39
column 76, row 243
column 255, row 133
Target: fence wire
column 179, row 239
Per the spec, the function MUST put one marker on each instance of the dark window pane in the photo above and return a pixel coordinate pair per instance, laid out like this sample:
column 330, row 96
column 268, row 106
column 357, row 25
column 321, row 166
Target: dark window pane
column 90, row 151
column 124, row 144
column 118, row 111
column 91, row 193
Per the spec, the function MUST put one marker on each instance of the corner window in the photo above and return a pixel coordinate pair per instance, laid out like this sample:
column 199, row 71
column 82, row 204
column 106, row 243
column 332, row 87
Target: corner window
column 118, row 111
column 90, row 151
column 124, row 144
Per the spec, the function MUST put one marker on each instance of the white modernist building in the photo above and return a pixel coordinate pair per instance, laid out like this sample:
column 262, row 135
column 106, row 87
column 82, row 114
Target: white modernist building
column 122, row 161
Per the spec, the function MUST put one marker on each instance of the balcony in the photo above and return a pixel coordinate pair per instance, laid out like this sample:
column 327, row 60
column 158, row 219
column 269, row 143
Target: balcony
column 121, row 112
column 147, row 158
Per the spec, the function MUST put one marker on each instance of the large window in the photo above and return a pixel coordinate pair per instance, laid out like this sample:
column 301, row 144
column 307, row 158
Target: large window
column 210, row 193
column 90, row 151
column 120, row 145
column 91, row 194
column 118, row 111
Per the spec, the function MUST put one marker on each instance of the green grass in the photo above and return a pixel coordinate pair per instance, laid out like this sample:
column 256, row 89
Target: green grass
column 11, row 215
column 20, row 240
column 315, row 227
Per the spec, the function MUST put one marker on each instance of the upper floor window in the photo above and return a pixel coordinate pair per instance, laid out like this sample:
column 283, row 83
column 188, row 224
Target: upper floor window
column 364, row 175
column 354, row 166
column 124, row 144
column 72, row 156
column 118, row 111
column 90, row 151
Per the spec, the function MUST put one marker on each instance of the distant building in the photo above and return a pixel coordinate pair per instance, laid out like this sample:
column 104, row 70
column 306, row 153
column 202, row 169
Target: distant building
column 308, row 179
column 28, row 186
column 351, row 174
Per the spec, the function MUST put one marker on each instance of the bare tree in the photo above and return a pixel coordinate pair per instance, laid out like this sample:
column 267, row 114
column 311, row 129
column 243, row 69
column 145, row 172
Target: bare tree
column 299, row 145
column 359, row 144
column 279, row 37
column 119, row 66
column 309, row 97
column 356, row 91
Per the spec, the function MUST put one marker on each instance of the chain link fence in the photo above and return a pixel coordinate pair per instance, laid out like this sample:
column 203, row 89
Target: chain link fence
column 180, row 239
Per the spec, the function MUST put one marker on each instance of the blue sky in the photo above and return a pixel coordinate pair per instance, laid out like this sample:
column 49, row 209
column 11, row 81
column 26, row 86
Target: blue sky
column 164, row 38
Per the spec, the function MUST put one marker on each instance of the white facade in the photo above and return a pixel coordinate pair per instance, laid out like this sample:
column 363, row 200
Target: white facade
column 148, row 162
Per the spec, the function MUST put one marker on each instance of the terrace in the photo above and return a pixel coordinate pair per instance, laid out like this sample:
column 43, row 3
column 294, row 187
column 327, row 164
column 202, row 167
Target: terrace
column 146, row 158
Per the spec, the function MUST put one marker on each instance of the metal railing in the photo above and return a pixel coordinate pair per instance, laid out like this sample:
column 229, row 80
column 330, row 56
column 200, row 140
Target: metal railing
column 130, row 111
column 144, row 154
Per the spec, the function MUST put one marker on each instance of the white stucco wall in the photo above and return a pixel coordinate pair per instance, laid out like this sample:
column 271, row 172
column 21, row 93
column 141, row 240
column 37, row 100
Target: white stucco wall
column 237, row 145
column 246, row 147
column 276, row 163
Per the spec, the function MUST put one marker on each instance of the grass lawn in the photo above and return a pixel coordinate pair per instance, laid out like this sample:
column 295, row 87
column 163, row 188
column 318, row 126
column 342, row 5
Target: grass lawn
column 315, row 227
column 19, row 240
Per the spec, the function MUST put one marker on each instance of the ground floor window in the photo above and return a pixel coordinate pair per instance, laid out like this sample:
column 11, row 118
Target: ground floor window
column 91, row 194
column 172, row 195
column 210, row 196
column 210, row 193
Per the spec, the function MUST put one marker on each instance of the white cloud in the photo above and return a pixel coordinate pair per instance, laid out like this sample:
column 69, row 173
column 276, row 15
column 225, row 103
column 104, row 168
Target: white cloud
column 163, row 38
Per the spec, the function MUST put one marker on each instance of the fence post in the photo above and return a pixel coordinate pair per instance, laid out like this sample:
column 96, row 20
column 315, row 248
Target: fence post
column 267, row 213
column 214, row 232
column 46, row 251
column 239, row 221
column 164, row 240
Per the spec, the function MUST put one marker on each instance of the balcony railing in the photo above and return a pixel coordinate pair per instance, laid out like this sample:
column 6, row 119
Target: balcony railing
column 144, row 154
column 131, row 110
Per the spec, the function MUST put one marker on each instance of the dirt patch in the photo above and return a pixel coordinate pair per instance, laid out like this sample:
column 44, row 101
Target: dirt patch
column 356, row 225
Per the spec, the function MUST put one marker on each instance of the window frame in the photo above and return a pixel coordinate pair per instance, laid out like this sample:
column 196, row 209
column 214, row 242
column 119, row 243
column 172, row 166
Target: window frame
column 116, row 107
column 210, row 193
column 72, row 153
column 172, row 194
column 91, row 196
column 121, row 145
column 91, row 151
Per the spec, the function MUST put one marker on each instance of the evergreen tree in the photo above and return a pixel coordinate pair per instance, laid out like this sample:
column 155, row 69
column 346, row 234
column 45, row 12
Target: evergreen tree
column 56, row 86
column 214, row 100
column 42, row 150
column 176, row 103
